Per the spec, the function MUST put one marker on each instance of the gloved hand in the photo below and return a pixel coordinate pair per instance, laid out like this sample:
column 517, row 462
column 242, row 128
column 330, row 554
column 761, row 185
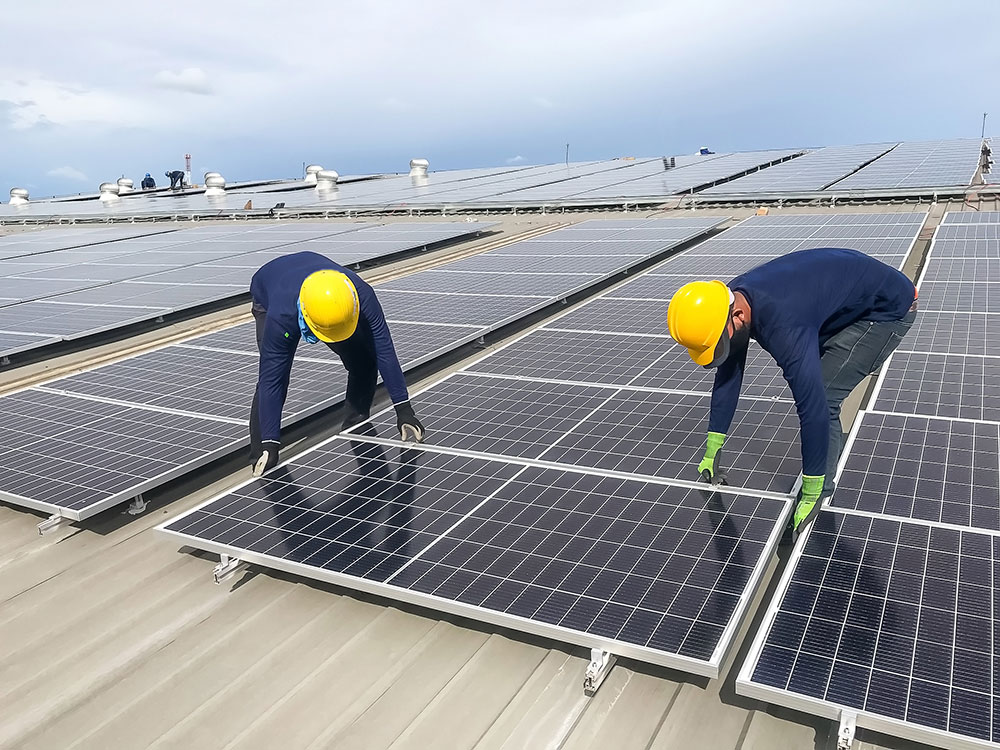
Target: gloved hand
column 407, row 423
column 265, row 458
column 351, row 418
column 807, row 508
column 710, row 469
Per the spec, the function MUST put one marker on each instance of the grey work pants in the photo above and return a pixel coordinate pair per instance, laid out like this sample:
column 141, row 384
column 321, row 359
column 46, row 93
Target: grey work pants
column 847, row 358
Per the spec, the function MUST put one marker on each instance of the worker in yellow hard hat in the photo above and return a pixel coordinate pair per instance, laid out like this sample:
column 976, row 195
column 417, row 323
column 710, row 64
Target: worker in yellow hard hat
column 830, row 317
column 307, row 296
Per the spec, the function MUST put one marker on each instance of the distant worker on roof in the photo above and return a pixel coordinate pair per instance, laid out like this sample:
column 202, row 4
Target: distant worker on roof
column 176, row 179
column 148, row 183
column 306, row 295
column 829, row 317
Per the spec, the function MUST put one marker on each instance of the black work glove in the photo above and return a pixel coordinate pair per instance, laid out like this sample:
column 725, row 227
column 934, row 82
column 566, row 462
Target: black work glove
column 265, row 457
column 407, row 423
column 352, row 417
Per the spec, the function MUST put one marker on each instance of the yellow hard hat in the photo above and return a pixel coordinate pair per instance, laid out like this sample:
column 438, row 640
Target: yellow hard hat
column 697, row 318
column 329, row 305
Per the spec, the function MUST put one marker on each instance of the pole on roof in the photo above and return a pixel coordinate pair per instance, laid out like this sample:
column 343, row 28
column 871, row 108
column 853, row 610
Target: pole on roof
column 567, row 154
column 983, row 135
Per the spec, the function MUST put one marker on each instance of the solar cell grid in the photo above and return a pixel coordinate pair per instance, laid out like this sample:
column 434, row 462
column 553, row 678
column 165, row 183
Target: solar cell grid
column 470, row 309
column 729, row 266
column 617, row 316
column 952, row 333
column 940, row 385
column 651, row 570
column 972, row 217
column 890, row 619
column 959, row 296
column 982, row 249
column 659, row 567
column 490, row 282
column 938, row 470
column 918, row 164
column 102, row 461
column 967, row 270
column 954, row 231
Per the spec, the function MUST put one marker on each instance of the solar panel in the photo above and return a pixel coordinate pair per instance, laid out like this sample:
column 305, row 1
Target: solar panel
column 941, row 385
column 889, row 619
column 92, row 455
column 971, row 217
column 650, row 434
column 919, row 164
column 938, row 470
column 959, row 296
column 812, row 171
column 650, row 571
column 963, row 269
column 952, row 333
column 954, row 231
column 617, row 316
column 471, row 309
column 483, row 282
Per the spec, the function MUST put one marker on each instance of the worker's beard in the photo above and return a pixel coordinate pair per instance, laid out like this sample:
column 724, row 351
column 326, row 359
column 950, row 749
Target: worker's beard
column 740, row 338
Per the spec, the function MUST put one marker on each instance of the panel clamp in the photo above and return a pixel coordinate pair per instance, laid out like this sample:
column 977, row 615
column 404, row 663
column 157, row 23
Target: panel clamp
column 848, row 725
column 600, row 665
column 52, row 523
column 227, row 568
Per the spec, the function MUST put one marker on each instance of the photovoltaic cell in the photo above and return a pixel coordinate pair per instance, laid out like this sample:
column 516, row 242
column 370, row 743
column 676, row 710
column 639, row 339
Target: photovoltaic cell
column 918, row 164
column 960, row 296
column 617, row 316
column 918, row 468
column 891, row 619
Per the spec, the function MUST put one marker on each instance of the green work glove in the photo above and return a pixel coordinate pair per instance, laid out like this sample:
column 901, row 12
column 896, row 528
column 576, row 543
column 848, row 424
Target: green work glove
column 709, row 470
column 808, row 505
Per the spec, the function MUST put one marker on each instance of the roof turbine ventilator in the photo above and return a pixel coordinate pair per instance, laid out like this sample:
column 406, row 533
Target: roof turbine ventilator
column 125, row 185
column 18, row 196
column 418, row 167
column 109, row 191
column 326, row 179
column 215, row 184
column 311, row 171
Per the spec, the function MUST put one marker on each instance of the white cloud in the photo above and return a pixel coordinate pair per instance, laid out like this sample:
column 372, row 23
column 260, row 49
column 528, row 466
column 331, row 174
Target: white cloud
column 35, row 100
column 515, row 159
column 68, row 173
column 189, row 80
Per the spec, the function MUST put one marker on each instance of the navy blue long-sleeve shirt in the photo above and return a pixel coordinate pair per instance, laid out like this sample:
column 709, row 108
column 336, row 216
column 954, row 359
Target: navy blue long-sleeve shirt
column 275, row 291
column 796, row 302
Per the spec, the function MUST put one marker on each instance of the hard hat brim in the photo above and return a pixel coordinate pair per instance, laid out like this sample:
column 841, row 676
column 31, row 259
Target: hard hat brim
column 332, row 335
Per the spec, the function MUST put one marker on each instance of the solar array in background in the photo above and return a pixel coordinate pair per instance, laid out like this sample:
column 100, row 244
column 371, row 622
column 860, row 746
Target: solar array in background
column 89, row 289
column 553, row 493
column 813, row 171
column 86, row 442
column 888, row 608
column 919, row 164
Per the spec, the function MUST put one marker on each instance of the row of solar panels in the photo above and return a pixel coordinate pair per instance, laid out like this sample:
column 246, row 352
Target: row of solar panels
column 886, row 166
column 86, row 442
column 553, row 494
column 888, row 608
column 109, row 278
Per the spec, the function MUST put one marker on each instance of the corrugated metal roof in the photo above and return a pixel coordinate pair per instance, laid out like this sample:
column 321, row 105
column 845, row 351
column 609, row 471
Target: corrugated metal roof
column 111, row 638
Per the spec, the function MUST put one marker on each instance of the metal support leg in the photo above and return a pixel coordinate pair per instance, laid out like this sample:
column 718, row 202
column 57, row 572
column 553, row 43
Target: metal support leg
column 52, row 523
column 227, row 567
column 600, row 665
column 137, row 506
column 845, row 736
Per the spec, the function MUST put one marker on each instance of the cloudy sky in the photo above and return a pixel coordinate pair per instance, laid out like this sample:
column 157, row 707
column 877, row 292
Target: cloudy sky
column 252, row 89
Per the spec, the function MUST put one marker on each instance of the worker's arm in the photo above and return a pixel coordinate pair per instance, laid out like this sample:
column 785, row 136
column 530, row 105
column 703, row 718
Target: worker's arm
column 407, row 423
column 385, row 351
column 726, row 392
column 725, row 397
column 799, row 359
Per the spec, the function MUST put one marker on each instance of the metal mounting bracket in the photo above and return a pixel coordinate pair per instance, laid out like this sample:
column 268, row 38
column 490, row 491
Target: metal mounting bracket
column 227, row 568
column 600, row 665
column 52, row 523
column 845, row 735
column 137, row 506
